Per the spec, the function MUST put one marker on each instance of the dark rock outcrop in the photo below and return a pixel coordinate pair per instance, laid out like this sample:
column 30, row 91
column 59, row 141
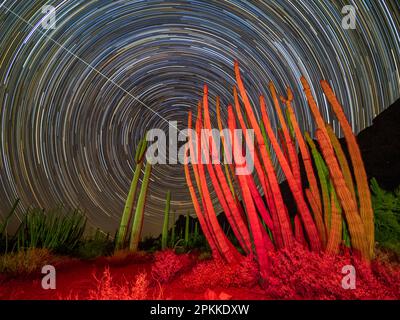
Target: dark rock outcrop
column 380, row 147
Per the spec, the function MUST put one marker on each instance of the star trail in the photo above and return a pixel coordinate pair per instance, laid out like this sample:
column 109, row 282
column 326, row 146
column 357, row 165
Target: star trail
column 75, row 100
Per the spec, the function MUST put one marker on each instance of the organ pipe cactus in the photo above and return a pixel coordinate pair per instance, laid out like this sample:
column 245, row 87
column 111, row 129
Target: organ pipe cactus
column 335, row 234
column 356, row 227
column 222, row 188
column 282, row 223
column 360, row 174
column 295, row 188
column 305, row 154
column 227, row 251
column 123, row 230
column 137, row 224
column 164, row 235
column 318, row 223
column 342, row 160
column 201, row 214
column 323, row 176
column 290, row 147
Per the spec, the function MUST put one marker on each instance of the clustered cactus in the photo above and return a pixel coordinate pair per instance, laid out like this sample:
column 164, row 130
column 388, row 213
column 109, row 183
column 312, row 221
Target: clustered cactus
column 331, row 207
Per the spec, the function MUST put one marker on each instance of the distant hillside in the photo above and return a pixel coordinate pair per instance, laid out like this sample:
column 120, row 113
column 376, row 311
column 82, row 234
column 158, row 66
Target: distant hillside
column 380, row 147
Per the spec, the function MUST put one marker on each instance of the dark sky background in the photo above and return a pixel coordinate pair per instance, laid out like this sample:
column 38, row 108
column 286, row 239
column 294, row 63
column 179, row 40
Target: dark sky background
column 75, row 100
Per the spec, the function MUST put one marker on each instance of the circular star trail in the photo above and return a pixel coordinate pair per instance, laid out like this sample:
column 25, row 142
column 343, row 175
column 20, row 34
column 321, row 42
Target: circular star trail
column 75, row 100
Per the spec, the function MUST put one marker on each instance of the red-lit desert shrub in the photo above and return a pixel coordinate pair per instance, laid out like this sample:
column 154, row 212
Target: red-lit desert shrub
column 168, row 265
column 387, row 274
column 214, row 273
column 107, row 289
column 300, row 274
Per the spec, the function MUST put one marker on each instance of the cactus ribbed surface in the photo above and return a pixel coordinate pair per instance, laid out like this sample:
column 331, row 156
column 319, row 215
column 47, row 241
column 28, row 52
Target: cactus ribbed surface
column 335, row 235
column 284, row 223
column 291, row 149
column 342, row 160
column 360, row 174
column 139, row 213
column 255, row 225
column 305, row 154
column 227, row 250
column 296, row 190
column 356, row 227
column 201, row 214
column 222, row 189
column 164, row 234
column 123, row 231
column 261, row 226
column 323, row 176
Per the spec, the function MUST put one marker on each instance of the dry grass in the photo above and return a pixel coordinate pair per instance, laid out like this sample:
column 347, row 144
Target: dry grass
column 107, row 289
column 25, row 262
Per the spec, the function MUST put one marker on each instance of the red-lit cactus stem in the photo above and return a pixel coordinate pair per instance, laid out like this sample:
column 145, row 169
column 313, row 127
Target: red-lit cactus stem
column 324, row 180
column 312, row 195
column 284, row 223
column 229, row 166
column 200, row 215
column 257, row 163
column 291, row 149
column 259, row 203
column 195, row 157
column 275, row 227
column 227, row 211
column 320, row 122
column 298, row 195
column 193, row 152
column 224, row 193
column 282, row 141
column 335, row 234
column 357, row 234
column 298, row 231
column 221, row 128
column 317, row 217
column 342, row 160
column 305, row 154
column 364, row 194
column 228, row 251
column 259, row 169
column 261, row 242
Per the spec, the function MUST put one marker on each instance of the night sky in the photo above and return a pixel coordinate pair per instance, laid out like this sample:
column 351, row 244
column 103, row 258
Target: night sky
column 75, row 100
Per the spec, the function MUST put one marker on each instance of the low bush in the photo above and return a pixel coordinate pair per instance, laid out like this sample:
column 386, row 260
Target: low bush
column 107, row 289
column 387, row 217
column 214, row 273
column 168, row 265
column 300, row 274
